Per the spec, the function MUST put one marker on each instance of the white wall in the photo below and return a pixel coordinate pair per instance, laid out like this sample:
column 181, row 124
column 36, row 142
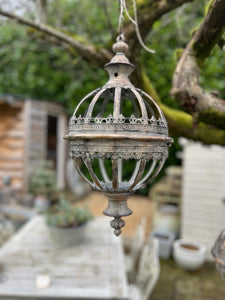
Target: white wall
column 203, row 193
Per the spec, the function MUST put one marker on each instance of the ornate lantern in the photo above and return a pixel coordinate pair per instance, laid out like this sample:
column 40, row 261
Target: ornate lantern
column 115, row 129
column 218, row 252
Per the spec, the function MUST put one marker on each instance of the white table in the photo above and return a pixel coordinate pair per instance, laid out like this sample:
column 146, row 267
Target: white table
column 91, row 270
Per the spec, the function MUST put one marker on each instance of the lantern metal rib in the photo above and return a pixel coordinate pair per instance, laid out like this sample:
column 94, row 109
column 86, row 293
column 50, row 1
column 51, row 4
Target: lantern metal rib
column 114, row 126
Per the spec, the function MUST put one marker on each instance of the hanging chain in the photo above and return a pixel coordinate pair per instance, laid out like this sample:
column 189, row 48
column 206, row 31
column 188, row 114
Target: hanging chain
column 123, row 8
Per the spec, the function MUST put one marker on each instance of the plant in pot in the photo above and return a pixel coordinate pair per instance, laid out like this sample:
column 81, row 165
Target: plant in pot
column 189, row 255
column 67, row 222
column 43, row 185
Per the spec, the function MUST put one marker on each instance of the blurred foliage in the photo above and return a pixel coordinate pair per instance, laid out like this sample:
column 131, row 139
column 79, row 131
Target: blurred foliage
column 34, row 67
column 213, row 72
column 42, row 181
column 41, row 70
column 89, row 21
column 169, row 36
column 67, row 215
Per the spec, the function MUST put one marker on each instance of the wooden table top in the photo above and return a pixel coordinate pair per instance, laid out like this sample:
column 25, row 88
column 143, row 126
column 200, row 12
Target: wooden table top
column 93, row 269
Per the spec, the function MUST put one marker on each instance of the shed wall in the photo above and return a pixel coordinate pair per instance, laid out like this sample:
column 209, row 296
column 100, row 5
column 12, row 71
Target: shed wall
column 37, row 113
column 12, row 128
column 203, row 193
column 23, row 139
column 35, row 134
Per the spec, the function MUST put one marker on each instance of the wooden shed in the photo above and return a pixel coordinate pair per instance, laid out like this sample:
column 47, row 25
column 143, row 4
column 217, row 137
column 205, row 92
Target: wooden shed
column 30, row 131
column 203, row 193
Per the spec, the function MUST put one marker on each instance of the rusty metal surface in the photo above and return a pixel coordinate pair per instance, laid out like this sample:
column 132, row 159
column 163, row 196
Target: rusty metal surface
column 118, row 123
column 119, row 136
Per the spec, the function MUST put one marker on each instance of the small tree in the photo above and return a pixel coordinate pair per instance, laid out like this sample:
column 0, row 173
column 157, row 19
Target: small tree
column 43, row 181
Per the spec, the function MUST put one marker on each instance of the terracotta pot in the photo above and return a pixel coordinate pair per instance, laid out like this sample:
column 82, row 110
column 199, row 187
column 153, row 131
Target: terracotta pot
column 189, row 255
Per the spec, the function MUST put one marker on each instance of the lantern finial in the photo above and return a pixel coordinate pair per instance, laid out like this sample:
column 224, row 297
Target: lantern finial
column 119, row 68
column 120, row 45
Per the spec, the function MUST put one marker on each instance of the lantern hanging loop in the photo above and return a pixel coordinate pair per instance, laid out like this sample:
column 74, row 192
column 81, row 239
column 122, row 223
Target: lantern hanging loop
column 123, row 8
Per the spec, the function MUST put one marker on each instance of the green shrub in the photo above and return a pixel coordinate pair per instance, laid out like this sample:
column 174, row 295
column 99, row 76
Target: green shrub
column 43, row 180
column 65, row 215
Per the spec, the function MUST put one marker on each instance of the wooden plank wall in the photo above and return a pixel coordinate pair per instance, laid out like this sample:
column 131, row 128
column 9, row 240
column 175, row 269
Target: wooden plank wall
column 23, row 140
column 203, row 193
column 36, row 134
column 12, row 144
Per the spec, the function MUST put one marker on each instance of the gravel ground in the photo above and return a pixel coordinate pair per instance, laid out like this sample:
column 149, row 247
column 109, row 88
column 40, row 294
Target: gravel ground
column 177, row 284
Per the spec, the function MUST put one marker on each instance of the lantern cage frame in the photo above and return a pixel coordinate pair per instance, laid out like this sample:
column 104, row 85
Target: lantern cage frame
column 114, row 125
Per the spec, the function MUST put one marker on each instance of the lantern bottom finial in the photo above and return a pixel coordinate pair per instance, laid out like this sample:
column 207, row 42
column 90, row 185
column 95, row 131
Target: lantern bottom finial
column 117, row 223
column 117, row 208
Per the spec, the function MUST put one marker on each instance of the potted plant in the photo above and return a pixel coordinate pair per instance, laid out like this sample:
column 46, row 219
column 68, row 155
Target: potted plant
column 189, row 255
column 43, row 185
column 67, row 222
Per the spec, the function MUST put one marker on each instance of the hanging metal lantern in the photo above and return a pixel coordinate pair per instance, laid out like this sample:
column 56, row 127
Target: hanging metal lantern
column 118, row 137
column 218, row 252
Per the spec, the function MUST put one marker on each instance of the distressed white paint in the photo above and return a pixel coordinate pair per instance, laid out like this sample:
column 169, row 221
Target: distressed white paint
column 93, row 269
column 203, row 193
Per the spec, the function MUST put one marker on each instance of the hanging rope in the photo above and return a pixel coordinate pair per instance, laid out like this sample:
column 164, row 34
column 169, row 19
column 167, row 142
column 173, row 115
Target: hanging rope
column 121, row 17
column 123, row 8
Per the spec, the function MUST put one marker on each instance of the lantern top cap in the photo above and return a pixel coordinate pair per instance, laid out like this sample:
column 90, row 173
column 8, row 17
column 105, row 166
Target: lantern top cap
column 120, row 48
column 120, row 45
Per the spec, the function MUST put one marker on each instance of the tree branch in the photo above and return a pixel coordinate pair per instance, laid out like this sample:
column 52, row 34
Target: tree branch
column 148, row 13
column 41, row 8
column 87, row 52
column 186, row 87
column 182, row 124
